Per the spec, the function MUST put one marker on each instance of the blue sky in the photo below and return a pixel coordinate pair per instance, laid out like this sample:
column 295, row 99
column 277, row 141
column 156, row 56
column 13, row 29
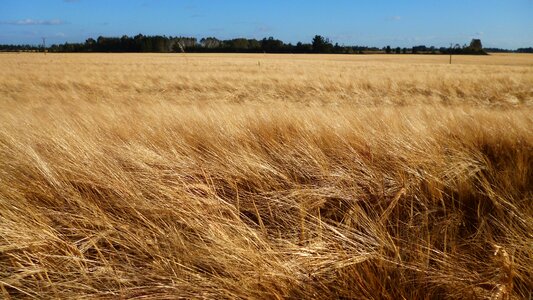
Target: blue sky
column 499, row 23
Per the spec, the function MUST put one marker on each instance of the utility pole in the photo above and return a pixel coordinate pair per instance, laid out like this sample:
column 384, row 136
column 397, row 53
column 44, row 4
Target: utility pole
column 44, row 45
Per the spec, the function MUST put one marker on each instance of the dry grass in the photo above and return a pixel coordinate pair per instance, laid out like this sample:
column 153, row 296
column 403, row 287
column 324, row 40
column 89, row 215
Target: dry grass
column 214, row 176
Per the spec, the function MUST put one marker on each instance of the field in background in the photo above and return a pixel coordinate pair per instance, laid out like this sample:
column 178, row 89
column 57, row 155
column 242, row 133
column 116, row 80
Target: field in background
column 496, row 80
column 266, row 176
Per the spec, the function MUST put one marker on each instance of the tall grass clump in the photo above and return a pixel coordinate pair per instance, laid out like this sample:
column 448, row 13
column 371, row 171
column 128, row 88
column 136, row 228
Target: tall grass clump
column 228, row 202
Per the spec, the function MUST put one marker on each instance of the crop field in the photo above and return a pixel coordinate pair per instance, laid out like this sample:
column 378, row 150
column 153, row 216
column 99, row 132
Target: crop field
column 259, row 176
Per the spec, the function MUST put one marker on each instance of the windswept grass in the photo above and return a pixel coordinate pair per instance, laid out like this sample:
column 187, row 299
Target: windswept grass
column 110, row 187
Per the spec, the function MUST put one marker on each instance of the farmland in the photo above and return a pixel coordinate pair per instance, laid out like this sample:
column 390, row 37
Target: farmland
column 266, row 176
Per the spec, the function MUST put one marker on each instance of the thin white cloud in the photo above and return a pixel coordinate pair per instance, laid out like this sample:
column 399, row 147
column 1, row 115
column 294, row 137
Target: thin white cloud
column 33, row 22
column 395, row 18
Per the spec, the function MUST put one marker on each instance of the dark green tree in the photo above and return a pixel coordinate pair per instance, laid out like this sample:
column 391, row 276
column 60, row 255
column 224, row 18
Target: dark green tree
column 321, row 44
column 475, row 45
column 272, row 45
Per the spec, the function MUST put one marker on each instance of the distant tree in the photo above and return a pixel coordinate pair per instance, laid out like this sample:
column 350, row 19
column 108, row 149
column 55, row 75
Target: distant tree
column 210, row 42
column 187, row 42
column 177, row 46
column 239, row 44
column 159, row 44
column 90, row 44
column 338, row 49
column 254, row 45
column 421, row 48
column 525, row 50
column 476, row 45
column 303, row 48
column 321, row 44
column 499, row 50
column 272, row 45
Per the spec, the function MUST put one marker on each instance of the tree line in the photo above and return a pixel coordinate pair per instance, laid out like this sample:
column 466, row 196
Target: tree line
column 168, row 44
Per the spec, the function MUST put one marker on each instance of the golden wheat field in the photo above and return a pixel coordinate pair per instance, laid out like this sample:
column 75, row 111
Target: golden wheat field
column 153, row 176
